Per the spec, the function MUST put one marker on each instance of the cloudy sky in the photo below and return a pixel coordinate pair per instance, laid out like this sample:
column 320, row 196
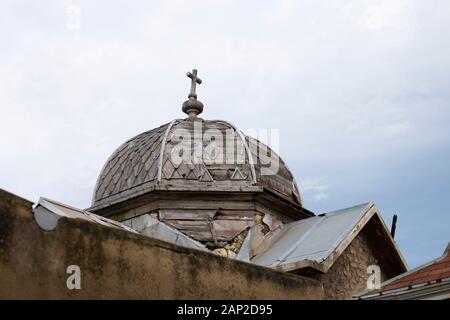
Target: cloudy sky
column 360, row 91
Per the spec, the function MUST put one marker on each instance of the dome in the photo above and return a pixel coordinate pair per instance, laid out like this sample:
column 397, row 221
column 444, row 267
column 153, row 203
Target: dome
column 193, row 155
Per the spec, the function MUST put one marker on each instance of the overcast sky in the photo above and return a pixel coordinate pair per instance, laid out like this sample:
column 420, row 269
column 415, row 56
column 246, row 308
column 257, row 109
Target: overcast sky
column 360, row 91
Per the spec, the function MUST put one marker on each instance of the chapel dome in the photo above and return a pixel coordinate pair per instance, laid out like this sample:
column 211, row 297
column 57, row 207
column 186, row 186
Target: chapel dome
column 193, row 155
column 164, row 159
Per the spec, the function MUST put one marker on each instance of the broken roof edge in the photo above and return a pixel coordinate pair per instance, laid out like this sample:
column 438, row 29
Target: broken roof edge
column 151, row 230
column 339, row 246
column 343, row 242
column 57, row 209
column 301, row 264
column 372, row 212
column 47, row 218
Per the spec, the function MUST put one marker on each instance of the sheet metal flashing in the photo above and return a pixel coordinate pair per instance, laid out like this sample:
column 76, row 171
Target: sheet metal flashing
column 47, row 213
column 45, row 207
column 151, row 227
column 310, row 242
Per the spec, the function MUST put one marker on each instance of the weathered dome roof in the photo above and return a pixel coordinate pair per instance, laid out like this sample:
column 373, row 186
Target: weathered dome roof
column 164, row 159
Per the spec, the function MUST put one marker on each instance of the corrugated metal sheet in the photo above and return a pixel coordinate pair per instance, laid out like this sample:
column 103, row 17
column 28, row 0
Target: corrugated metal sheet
column 312, row 239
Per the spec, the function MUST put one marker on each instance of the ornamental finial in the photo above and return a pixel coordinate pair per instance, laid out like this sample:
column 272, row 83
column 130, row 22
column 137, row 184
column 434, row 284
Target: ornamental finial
column 192, row 106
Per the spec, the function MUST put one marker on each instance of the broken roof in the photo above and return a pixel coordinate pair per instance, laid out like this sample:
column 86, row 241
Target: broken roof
column 47, row 213
column 314, row 242
column 149, row 226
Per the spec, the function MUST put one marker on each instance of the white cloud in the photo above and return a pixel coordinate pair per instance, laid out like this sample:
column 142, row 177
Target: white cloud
column 353, row 80
column 353, row 86
column 315, row 189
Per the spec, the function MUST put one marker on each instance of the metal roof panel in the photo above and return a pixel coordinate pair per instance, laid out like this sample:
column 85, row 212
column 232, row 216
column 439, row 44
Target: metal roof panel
column 312, row 239
column 144, row 224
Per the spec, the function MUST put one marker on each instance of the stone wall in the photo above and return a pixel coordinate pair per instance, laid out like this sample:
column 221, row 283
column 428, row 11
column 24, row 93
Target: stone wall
column 117, row 264
column 348, row 275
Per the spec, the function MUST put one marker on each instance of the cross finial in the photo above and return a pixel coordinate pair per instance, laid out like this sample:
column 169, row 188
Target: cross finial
column 194, row 81
column 192, row 106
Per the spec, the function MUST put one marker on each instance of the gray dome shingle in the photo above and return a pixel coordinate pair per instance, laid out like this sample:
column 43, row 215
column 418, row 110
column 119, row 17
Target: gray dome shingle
column 146, row 162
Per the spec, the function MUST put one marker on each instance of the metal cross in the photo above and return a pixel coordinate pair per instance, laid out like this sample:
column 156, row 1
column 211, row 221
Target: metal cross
column 194, row 81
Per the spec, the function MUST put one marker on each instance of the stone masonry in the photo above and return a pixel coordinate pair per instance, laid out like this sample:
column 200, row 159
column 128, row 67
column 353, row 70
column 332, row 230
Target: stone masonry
column 348, row 275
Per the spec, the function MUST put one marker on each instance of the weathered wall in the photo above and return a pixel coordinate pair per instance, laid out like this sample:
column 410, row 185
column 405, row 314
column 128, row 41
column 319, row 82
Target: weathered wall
column 348, row 275
column 119, row 264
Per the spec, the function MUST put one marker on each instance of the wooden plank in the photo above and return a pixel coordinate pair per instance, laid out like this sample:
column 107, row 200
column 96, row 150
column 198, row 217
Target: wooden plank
column 202, row 236
column 237, row 213
column 199, row 232
column 228, row 229
column 196, row 223
column 189, row 224
column 186, row 214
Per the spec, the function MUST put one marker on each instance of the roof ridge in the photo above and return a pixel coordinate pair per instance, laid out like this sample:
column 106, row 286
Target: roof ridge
column 362, row 205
